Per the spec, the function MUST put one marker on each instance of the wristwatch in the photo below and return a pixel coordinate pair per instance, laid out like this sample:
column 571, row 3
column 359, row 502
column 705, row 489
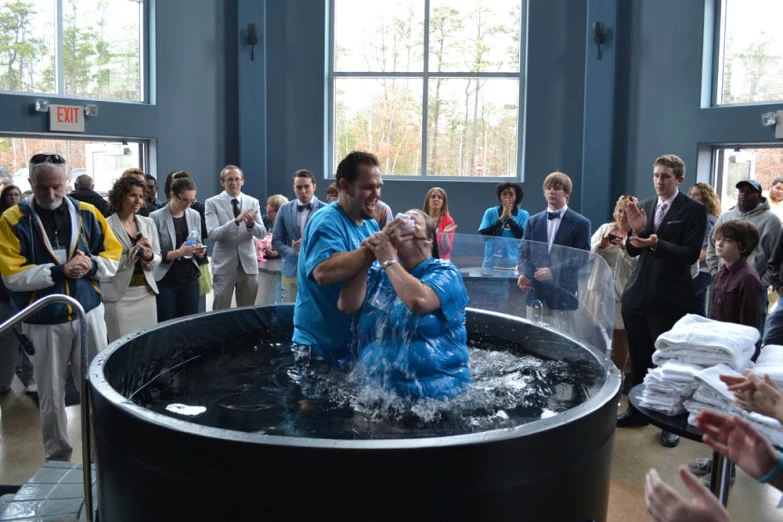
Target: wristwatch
column 387, row 263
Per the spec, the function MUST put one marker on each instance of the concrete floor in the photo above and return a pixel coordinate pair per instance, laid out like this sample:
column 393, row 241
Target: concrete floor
column 635, row 451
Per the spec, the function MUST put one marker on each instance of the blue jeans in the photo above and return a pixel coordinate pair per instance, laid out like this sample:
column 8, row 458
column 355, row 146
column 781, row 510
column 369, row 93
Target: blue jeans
column 177, row 300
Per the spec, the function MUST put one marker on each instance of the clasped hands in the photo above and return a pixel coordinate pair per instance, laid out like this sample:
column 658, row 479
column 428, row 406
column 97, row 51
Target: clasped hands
column 248, row 217
column 79, row 266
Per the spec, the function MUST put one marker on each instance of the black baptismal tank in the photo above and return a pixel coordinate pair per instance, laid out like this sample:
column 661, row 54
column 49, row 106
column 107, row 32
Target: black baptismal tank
column 156, row 466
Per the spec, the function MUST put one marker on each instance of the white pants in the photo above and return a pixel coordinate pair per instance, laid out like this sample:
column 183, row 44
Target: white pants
column 55, row 346
column 223, row 286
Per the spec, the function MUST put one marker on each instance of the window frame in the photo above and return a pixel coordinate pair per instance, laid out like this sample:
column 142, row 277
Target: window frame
column 425, row 75
column 144, row 60
column 718, row 9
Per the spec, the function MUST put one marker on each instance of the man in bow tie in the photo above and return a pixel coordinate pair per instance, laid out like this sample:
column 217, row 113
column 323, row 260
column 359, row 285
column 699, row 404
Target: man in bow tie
column 551, row 275
column 289, row 228
column 233, row 220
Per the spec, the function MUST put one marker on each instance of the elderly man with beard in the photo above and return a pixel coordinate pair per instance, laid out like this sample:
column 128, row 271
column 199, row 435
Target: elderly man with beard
column 52, row 244
column 333, row 250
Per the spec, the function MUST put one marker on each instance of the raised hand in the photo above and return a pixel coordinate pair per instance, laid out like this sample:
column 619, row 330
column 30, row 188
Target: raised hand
column 637, row 217
column 753, row 393
column 450, row 228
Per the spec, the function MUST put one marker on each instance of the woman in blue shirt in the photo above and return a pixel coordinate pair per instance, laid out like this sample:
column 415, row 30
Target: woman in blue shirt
column 504, row 221
column 411, row 305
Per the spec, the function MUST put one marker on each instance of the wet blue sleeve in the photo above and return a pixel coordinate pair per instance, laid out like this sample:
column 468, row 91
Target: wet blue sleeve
column 327, row 238
column 446, row 282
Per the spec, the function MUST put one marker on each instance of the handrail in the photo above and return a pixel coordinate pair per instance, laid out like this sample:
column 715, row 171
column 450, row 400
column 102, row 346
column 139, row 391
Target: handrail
column 83, row 385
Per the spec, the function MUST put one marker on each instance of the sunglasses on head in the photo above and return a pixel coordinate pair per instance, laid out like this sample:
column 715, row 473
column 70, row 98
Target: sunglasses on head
column 48, row 158
column 630, row 198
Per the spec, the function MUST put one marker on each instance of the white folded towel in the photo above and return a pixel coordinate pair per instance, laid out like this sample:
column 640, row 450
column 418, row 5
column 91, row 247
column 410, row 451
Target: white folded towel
column 697, row 340
column 770, row 362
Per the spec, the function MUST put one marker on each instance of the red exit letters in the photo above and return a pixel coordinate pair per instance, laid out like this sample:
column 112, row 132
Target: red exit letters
column 67, row 114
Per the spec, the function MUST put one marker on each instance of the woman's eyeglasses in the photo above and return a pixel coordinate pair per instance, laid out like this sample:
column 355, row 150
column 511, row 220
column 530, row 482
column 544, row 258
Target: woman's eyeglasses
column 186, row 201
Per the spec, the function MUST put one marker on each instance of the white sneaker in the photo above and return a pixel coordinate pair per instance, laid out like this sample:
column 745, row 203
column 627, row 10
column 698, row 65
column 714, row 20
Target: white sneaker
column 31, row 388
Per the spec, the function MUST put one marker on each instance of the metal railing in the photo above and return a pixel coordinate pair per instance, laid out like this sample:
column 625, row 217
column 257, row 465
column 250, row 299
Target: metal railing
column 83, row 385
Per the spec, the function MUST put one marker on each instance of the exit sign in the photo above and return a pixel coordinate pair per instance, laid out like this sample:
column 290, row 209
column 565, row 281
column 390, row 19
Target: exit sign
column 68, row 118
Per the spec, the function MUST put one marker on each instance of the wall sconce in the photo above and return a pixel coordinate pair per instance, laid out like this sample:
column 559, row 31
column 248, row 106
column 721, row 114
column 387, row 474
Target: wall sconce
column 599, row 37
column 41, row 105
column 252, row 39
column 91, row 110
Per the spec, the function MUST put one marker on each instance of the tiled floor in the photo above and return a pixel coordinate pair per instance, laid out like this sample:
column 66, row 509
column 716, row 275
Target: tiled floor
column 635, row 451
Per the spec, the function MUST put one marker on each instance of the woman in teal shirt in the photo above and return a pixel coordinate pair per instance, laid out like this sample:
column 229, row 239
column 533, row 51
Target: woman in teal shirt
column 504, row 221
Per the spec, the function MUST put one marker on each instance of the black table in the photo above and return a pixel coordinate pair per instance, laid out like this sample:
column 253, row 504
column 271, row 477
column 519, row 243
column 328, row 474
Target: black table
column 678, row 424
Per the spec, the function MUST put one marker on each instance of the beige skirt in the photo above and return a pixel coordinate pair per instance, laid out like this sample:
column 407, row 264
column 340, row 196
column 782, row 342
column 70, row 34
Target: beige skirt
column 136, row 310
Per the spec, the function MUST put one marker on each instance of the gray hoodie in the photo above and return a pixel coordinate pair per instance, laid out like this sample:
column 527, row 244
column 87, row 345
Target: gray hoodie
column 768, row 224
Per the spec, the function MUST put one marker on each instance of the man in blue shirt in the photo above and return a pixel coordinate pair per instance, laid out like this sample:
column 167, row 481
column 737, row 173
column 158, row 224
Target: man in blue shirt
column 332, row 251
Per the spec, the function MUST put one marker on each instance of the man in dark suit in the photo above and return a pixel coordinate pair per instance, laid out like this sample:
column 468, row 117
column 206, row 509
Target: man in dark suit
column 289, row 228
column 549, row 275
column 667, row 232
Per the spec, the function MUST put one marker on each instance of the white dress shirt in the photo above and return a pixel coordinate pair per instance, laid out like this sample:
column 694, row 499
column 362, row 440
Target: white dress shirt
column 303, row 215
column 553, row 224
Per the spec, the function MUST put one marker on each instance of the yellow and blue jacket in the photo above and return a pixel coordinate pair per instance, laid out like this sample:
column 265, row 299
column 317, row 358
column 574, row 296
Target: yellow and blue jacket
column 31, row 270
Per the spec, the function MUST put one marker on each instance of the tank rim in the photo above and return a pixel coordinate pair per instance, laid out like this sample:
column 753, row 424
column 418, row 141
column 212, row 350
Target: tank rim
column 100, row 385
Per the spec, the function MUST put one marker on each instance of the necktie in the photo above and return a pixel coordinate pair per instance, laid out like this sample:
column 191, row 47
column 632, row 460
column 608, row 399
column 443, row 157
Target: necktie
column 659, row 216
column 306, row 206
column 235, row 205
column 553, row 215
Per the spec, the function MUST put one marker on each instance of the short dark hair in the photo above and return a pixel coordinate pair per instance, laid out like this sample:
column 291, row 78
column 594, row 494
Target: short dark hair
column 333, row 189
column 508, row 185
column 83, row 181
column 744, row 233
column 348, row 169
column 303, row 173
column 150, row 177
column 122, row 188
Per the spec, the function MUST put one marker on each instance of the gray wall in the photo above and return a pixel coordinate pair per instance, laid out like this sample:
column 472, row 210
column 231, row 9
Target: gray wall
column 194, row 120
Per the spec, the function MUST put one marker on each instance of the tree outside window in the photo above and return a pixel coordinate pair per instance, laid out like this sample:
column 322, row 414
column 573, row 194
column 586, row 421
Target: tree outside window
column 444, row 103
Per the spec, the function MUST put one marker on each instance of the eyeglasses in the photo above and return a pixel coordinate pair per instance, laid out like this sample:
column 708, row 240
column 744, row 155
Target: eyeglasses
column 186, row 201
column 47, row 158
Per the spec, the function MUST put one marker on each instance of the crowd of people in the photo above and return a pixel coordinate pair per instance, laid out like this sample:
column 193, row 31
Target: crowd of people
column 349, row 259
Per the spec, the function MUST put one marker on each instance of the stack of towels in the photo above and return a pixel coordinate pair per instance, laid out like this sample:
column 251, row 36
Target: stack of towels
column 704, row 342
column 714, row 394
column 667, row 386
column 693, row 344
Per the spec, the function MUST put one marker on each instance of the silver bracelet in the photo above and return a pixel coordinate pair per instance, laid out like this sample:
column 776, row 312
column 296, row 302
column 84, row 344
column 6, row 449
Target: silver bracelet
column 387, row 263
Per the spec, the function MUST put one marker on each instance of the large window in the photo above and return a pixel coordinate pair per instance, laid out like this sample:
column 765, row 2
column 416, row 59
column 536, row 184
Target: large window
column 735, row 164
column 431, row 86
column 75, row 48
column 103, row 161
column 750, row 58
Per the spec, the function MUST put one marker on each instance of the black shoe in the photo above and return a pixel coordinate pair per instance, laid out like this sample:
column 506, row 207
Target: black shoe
column 670, row 440
column 631, row 417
